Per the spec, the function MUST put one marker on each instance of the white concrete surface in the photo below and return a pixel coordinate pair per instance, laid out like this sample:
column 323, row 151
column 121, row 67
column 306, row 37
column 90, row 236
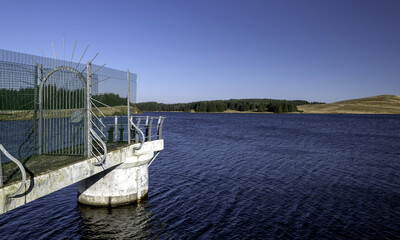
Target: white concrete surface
column 125, row 184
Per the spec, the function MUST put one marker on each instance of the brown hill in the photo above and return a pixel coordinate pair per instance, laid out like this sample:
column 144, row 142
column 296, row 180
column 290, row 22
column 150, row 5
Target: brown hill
column 382, row 104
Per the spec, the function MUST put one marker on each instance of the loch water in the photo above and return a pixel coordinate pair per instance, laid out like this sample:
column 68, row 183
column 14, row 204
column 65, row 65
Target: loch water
column 246, row 176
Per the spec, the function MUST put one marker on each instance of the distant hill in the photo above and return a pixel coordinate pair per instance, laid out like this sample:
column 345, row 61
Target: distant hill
column 382, row 104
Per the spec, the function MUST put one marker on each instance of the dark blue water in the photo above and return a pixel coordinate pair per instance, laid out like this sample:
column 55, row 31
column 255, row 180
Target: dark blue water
column 246, row 176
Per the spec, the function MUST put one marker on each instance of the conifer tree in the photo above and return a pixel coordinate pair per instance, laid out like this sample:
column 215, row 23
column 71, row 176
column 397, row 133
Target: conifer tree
column 211, row 107
column 261, row 107
column 279, row 108
column 285, row 108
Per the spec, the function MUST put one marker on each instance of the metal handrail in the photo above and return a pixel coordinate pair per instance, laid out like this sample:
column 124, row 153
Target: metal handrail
column 151, row 128
column 21, row 167
column 149, row 120
column 133, row 125
column 160, row 126
column 98, row 119
column 99, row 140
column 93, row 124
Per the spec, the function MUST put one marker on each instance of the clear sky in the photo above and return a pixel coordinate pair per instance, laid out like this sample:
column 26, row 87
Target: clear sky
column 183, row 51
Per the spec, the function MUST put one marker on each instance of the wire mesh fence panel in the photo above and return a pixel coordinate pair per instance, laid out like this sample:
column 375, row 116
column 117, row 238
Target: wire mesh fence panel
column 43, row 103
column 110, row 89
column 56, row 107
column 18, row 82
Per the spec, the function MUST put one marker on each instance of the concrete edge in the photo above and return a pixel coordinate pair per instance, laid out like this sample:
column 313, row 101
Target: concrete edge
column 49, row 182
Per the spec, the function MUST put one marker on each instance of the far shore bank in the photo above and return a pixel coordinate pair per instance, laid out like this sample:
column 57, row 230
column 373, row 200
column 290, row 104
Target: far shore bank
column 381, row 104
column 239, row 112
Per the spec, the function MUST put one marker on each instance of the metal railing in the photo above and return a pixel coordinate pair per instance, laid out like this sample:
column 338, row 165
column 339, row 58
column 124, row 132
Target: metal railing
column 142, row 128
column 98, row 148
column 148, row 124
column 135, row 130
column 20, row 166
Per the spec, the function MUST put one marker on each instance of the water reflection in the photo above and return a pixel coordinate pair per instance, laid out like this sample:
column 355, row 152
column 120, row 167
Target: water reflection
column 124, row 222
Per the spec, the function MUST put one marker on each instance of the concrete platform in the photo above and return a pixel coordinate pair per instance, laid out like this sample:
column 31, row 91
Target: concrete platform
column 40, row 164
column 71, row 171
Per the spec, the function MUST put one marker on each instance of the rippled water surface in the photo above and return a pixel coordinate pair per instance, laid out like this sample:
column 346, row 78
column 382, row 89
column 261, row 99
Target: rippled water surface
column 238, row 176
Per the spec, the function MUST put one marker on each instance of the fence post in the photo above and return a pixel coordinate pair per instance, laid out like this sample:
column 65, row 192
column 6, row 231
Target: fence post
column 41, row 112
column 35, row 97
column 1, row 172
column 116, row 128
column 128, row 99
column 88, row 114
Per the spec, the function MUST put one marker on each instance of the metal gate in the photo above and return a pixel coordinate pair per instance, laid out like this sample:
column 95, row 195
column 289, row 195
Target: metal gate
column 62, row 106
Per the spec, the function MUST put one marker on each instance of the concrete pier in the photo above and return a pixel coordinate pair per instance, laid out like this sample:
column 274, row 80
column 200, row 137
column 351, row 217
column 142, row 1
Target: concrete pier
column 124, row 184
column 130, row 168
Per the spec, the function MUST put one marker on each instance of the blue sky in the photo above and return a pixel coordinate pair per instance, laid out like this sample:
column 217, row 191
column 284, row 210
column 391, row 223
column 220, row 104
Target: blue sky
column 183, row 51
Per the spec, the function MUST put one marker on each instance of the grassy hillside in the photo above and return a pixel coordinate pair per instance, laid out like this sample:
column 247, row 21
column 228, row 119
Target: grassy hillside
column 382, row 104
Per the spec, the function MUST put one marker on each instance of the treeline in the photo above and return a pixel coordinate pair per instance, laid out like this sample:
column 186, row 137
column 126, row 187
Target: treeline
column 23, row 99
column 55, row 98
column 110, row 99
column 254, row 105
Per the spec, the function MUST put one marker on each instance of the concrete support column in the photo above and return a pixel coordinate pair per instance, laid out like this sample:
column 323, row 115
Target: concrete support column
column 124, row 184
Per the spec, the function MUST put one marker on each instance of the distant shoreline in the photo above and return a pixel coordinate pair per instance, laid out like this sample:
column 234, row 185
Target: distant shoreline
column 229, row 111
column 302, row 113
column 381, row 104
